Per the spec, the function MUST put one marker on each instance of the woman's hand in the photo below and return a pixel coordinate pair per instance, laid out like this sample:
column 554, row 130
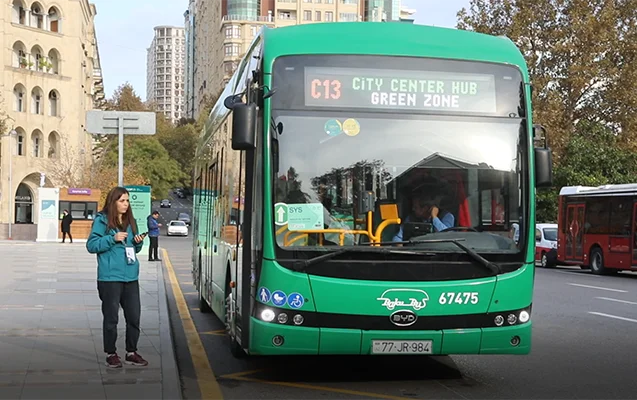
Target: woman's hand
column 138, row 238
column 121, row 236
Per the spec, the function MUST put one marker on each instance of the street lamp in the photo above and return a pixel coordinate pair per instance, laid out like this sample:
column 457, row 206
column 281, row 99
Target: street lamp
column 10, row 195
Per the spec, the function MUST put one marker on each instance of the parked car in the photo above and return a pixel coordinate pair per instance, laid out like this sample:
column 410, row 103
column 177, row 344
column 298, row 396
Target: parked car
column 546, row 244
column 165, row 203
column 184, row 217
column 177, row 228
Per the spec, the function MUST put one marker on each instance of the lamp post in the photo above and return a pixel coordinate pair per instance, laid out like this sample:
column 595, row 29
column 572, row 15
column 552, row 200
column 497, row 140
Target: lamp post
column 10, row 194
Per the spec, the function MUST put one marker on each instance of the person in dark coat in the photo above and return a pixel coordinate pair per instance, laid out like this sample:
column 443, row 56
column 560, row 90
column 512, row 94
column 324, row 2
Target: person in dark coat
column 67, row 220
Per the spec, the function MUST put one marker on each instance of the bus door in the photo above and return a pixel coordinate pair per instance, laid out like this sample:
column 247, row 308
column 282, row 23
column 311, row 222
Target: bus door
column 574, row 232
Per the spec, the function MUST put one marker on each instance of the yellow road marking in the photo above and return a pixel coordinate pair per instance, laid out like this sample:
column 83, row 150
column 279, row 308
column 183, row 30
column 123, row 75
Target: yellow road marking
column 313, row 387
column 218, row 332
column 191, row 293
column 208, row 385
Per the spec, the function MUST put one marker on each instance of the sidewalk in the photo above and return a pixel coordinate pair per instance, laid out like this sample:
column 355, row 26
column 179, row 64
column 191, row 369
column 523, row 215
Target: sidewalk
column 51, row 328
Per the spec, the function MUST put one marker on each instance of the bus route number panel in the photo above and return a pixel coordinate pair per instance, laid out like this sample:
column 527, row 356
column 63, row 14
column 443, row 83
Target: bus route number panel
column 401, row 346
column 404, row 90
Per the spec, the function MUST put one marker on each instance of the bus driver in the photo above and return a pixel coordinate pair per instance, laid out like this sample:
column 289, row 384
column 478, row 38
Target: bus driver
column 426, row 208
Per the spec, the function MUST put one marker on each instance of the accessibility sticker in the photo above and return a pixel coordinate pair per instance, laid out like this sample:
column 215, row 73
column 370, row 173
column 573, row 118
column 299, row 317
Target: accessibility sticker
column 264, row 295
column 295, row 300
column 279, row 298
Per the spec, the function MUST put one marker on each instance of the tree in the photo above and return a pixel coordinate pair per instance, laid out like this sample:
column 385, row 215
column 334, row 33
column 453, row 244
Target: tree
column 592, row 157
column 126, row 99
column 181, row 143
column 70, row 167
column 579, row 54
column 149, row 159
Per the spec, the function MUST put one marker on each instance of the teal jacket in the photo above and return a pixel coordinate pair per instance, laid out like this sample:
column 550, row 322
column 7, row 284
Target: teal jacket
column 111, row 255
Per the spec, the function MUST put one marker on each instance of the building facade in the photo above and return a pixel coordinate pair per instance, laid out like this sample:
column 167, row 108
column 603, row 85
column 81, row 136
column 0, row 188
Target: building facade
column 165, row 72
column 223, row 29
column 51, row 76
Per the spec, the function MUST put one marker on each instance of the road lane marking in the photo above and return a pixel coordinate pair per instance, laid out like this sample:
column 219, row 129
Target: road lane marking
column 238, row 377
column 578, row 273
column 613, row 316
column 617, row 300
column 597, row 287
column 208, row 385
column 218, row 332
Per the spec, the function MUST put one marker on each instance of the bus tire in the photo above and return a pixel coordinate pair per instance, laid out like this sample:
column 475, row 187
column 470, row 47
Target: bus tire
column 235, row 347
column 597, row 261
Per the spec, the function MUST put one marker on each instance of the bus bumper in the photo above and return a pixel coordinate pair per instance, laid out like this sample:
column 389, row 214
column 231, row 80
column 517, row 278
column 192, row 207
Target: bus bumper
column 273, row 339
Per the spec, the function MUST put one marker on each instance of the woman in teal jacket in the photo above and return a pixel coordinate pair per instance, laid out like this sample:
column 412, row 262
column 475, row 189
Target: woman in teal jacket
column 115, row 240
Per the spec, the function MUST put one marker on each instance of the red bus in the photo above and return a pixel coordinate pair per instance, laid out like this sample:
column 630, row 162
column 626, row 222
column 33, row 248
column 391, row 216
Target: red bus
column 597, row 227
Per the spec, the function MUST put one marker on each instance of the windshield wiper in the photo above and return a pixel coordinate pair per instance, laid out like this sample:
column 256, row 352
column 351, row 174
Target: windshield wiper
column 301, row 265
column 477, row 257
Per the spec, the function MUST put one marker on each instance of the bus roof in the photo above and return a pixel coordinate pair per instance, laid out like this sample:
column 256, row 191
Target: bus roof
column 628, row 188
column 390, row 38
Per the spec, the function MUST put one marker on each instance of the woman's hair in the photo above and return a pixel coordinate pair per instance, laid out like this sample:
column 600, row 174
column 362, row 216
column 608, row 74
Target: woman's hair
column 110, row 211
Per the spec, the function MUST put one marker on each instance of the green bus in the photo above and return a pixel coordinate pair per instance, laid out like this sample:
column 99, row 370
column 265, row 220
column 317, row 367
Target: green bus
column 355, row 189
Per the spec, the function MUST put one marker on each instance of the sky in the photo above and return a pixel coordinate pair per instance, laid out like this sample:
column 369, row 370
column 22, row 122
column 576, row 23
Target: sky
column 125, row 30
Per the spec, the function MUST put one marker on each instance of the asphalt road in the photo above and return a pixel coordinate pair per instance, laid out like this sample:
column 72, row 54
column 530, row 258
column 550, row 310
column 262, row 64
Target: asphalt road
column 170, row 213
column 584, row 346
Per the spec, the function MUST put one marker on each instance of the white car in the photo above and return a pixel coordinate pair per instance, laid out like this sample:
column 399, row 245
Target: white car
column 177, row 228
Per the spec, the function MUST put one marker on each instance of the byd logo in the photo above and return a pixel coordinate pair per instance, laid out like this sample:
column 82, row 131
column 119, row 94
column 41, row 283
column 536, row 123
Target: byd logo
column 403, row 318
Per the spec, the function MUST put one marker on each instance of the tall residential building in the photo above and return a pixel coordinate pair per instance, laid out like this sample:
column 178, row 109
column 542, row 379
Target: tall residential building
column 189, row 30
column 51, row 76
column 165, row 72
column 218, row 47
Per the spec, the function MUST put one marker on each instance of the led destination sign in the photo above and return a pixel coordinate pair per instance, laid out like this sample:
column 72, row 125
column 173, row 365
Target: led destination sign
column 400, row 90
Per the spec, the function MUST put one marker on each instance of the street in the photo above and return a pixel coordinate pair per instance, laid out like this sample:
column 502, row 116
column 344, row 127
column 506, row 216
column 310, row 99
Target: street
column 584, row 327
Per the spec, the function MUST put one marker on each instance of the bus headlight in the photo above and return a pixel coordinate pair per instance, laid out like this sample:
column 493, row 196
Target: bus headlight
column 282, row 318
column 524, row 316
column 267, row 315
column 298, row 319
column 499, row 320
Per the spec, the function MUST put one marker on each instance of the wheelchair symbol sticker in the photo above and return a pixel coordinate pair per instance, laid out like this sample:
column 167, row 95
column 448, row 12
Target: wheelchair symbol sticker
column 295, row 300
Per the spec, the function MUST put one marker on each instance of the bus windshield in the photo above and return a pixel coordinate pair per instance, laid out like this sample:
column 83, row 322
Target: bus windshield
column 351, row 175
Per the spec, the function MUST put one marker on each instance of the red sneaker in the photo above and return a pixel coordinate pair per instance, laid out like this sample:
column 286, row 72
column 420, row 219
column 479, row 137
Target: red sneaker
column 135, row 359
column 113, row 361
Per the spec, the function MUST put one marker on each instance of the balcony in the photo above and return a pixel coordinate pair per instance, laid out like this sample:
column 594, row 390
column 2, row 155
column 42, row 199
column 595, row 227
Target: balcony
column 262, row 18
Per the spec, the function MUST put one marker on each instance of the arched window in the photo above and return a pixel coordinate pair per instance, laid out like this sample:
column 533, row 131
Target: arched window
column 19, row 91
column 37, row 16
column 54, row 103
column 19, row 14
column 36, row 101
column 54, row 143
column 54, row 61
column 20, row 56
column 37, row 56
column 36, row 143
column 21, row 144
column 54, row 19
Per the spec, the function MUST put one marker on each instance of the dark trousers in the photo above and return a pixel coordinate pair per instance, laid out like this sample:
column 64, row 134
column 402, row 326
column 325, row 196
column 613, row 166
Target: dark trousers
column 154, row 248
column 114, row 294
column 64, row 236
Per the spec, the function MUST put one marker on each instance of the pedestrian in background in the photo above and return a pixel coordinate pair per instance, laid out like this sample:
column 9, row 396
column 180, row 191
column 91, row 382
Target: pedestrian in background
column 153, row 235
column 67, row 220
column 115, row 240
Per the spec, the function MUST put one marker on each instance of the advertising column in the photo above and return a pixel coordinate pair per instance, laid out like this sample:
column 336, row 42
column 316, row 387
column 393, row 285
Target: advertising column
column 140, row 204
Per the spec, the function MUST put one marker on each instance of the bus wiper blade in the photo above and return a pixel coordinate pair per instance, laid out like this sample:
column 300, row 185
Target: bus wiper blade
column 301, row 265
column 477, row 257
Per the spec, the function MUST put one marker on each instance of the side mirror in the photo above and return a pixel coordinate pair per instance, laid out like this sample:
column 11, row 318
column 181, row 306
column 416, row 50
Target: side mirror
column 244, row 126
column 543, row 167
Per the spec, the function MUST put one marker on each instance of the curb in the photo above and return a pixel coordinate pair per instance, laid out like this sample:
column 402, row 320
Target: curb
column 170, row 385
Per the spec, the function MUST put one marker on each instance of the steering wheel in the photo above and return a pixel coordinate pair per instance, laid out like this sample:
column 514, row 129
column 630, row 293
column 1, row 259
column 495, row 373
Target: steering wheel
column 459, row 228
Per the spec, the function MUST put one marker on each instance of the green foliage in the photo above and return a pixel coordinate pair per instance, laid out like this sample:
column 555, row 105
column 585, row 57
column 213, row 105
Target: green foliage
column 594, row 156
column 181, row 143
column 582, row 59
column 151, row 160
